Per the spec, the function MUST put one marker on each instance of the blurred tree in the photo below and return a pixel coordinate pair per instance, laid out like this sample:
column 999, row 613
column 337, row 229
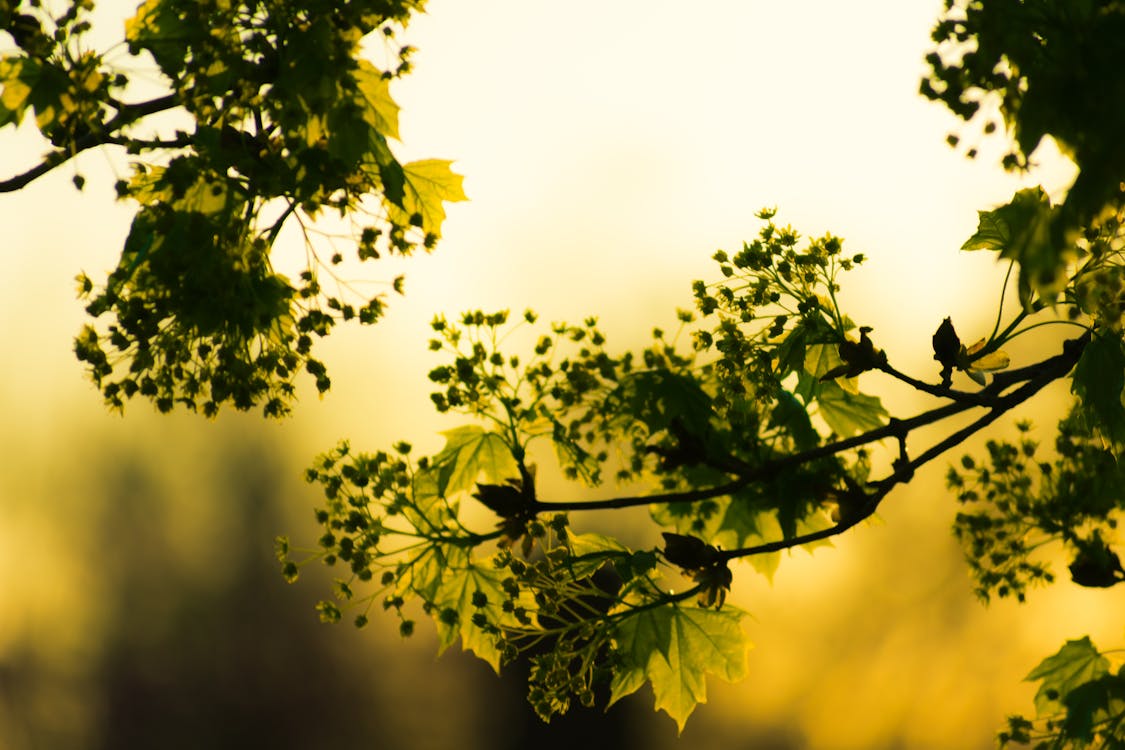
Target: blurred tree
column 750, row 438
column 278, row 119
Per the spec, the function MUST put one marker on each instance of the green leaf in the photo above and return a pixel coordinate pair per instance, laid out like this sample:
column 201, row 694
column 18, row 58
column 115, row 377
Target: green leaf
column 379, row 109
column 848, row 414
column 1089, row 703
column 428, row 185
column 791, row 415
column 595, row 549
column 458, row 587
column 772, row 529
column 1076, row 662
column 389, row 170
column 790, row 353
column 31, row 83
column 820, row 358
column 674, row 647
column 18, row 76
column 739, row 519
column 469, row 453
column 1021, row 231
column 660, row 397
column 1099, row 379
column 424, row 573
column 158, row 28
column 992, row 233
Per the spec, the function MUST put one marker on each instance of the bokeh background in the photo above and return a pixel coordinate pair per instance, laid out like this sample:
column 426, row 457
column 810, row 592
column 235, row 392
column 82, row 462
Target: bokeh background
column 609, row 148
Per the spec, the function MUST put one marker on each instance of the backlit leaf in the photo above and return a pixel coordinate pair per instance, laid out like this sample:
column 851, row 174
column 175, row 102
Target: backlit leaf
column 992, row 362
column 1075, row 663
column 469, row 453
column 848, row 414
column 1021, row 231
column 458, row 586
column 674, row 647
column 820, row 358
column 590, row 552
column 158, row 28
column 428, row 185
column 18, row 76
column 379, row 109
column 424, row 573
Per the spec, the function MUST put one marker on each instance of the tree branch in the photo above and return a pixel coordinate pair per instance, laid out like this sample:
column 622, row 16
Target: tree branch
column 1037, row 377
column 127, row 116
column 617, row 503
column 1034, row 377
column 934, row 390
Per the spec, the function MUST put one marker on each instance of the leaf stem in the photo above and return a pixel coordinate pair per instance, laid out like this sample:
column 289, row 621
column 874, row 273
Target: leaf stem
column 1000, row 310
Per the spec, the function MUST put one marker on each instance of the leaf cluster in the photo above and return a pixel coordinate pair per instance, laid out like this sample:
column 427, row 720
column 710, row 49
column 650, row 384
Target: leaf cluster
column 1080, row 702
column 744, row 430
column 280, row 120
column 1054, row 67
column 712, row 442
column 1015, row 504
column 751, row 439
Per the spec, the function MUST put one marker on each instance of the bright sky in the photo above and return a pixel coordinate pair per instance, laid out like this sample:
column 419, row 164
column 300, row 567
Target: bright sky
column 609, row 149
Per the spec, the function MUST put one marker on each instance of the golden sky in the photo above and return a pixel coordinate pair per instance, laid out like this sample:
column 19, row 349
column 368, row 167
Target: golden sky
column 609, row 149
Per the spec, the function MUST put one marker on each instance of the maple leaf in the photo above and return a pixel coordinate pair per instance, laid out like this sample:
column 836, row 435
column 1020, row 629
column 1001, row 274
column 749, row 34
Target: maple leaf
column 427, row 185
column 674, row 647
column 1076, row 662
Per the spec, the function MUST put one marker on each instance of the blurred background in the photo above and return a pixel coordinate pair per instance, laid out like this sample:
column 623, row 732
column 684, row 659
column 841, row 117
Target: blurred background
column 609, row 149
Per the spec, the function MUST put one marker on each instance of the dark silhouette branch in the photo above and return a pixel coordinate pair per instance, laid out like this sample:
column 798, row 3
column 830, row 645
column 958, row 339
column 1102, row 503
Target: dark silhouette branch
column 935, row 390
column 1034, row 378
column 616, row 503
column 127, row 116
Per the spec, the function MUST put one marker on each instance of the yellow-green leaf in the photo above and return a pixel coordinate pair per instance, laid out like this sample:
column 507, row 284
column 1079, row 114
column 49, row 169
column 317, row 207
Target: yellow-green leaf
column 1021, row 231
column 428, row 185
column 848, row 414
column 379, row 109
column 456, row 594
column 590, row 551
column 674, row 647
column 820, row 358
column 17, row 76
column 469, row 453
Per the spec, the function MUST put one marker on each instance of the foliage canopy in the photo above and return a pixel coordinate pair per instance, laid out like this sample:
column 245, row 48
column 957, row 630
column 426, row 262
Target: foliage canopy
column 748, row 432
column 275, row 117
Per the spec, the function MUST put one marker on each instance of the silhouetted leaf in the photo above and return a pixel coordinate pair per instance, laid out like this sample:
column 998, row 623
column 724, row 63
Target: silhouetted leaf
column 1075, row 663
column 1099, row 379
column 790, row 415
